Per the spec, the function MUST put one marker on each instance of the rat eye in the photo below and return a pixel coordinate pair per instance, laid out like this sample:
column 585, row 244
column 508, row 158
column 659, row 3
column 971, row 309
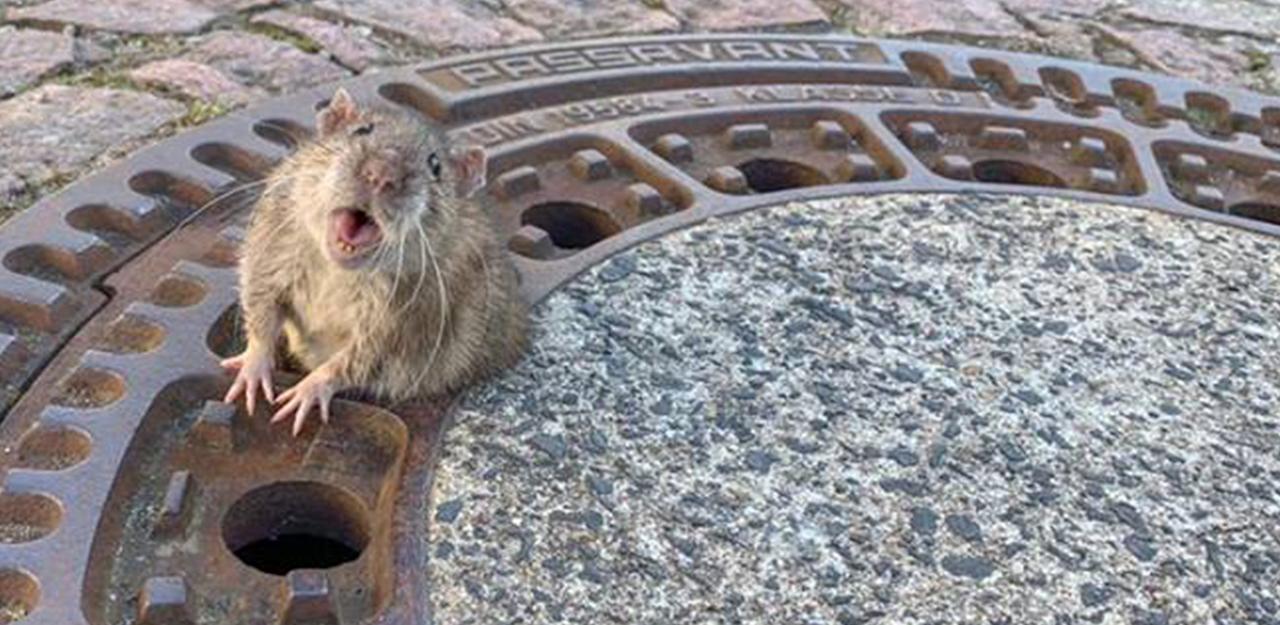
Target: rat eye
column 362, row 129
column 433, row 162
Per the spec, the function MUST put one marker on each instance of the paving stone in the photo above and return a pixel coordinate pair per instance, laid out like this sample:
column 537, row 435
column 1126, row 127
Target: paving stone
column 262, row 61
column 738, row 14
column 126, row 16
column 55, row 130
column 27, row 54
column 956, row 18
column 1060, row 7
column 1172, row 52
column 591, row 18
column 1227, row 16
column 350, row 45
column 439, row 24
column 227, row 6
column 195, row 80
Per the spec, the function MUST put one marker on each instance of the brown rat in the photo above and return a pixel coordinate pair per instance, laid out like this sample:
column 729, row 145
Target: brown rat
column 371, row 256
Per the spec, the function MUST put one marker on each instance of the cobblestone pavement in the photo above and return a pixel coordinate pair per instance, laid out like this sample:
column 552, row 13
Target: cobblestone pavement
column 186, row 61
column 894, row 409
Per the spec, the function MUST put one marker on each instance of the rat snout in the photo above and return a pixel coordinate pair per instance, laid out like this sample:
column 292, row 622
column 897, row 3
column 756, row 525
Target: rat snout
column 381, row 174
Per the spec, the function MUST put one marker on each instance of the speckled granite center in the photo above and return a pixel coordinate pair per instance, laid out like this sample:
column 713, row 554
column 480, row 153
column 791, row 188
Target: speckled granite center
column 896, row 409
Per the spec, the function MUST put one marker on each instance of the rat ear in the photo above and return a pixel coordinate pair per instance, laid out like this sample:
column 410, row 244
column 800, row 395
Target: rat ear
column 341, row 111
column 469, row 164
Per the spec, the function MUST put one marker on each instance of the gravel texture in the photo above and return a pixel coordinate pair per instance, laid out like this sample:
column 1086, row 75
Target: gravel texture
column 897, row 409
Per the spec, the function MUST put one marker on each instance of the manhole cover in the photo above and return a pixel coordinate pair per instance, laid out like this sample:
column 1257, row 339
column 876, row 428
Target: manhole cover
column 131, row 494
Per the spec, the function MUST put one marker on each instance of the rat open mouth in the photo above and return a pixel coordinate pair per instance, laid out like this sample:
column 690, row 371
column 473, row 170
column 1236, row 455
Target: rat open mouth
column 355, row 232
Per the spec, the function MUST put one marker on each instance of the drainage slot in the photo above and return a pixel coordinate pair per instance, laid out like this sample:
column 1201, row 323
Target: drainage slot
column 571, row 225
column 766, row 175
column 1015, row 172
column 1209, row 114
column 89, row 388
column 25, row 517
column 112, row 225
column 288, row 526
column 239, row 163
column 165, row 186
column 46, row 263
column 1136, row 101
column 53, row 448
column 1260, row 211
column 19, row 594
column 999, row 81
column 283, row 132
column 131, row 334
column 178, row 292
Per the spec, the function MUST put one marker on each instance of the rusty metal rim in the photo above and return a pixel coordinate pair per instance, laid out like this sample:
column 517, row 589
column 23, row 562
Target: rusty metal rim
column 867, row 116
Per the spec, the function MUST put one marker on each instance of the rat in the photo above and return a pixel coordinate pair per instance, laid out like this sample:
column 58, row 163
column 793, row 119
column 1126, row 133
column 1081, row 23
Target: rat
column 370, row 257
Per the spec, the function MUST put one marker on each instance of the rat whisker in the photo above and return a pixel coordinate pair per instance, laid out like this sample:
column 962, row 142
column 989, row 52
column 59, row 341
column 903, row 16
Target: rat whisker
column 444, row 305
column 422, row 266
column 275, row 182
column 395, row 283
column 195, row 213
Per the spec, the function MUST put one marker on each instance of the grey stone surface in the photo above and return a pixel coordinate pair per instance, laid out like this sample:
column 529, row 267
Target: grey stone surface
column 439, row 24
column 149, row 17
column 590, row 18
column 1245, row 17
column 53, row 130
column 195, row 80
column 735, row 14
column 897, row 409
column 352, row 46
column 264, row 62
column 960, row 18
column 27, row 54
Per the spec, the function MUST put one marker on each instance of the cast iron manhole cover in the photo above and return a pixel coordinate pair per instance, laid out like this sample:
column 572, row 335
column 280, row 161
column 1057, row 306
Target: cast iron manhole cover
column 132, row 495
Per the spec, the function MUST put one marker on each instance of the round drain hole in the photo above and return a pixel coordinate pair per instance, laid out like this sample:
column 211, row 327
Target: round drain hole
column 19, row 593
column 131, row 334
column 288, row 526
column 178, row 292
column 1015, row 172
column 90, row 388
column 766, row 175
column 571, row 225
column 53, row 448
column 25, row 517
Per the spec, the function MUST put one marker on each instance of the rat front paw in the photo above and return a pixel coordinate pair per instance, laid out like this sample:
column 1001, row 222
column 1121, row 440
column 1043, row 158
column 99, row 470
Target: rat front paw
column 253, row 372
column 315, row 389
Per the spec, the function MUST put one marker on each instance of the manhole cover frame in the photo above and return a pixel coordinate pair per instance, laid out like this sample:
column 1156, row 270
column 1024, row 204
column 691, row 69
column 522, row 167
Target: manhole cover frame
column 648, row 127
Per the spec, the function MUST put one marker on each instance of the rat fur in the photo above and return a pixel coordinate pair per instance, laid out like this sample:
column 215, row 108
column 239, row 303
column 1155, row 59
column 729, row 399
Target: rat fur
column 369, row 254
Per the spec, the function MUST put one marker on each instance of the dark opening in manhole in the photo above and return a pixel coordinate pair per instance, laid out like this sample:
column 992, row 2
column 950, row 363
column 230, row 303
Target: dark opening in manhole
column 288, row 526
column 1015, row 172
column 571, row 225
column 1261, row 211
column 766, row 175
column 278, row 555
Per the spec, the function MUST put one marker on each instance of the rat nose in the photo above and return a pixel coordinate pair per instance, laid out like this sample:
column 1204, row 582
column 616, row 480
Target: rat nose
column 380, row 175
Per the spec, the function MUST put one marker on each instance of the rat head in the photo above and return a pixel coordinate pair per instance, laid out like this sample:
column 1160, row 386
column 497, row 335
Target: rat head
column 386, row 176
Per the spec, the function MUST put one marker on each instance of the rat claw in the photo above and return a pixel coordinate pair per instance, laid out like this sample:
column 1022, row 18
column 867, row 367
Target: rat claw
column 268, row 391
column 284, row 410
column 300, row 418
column 233, row 393
column 324, row 410
column 234, row 362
